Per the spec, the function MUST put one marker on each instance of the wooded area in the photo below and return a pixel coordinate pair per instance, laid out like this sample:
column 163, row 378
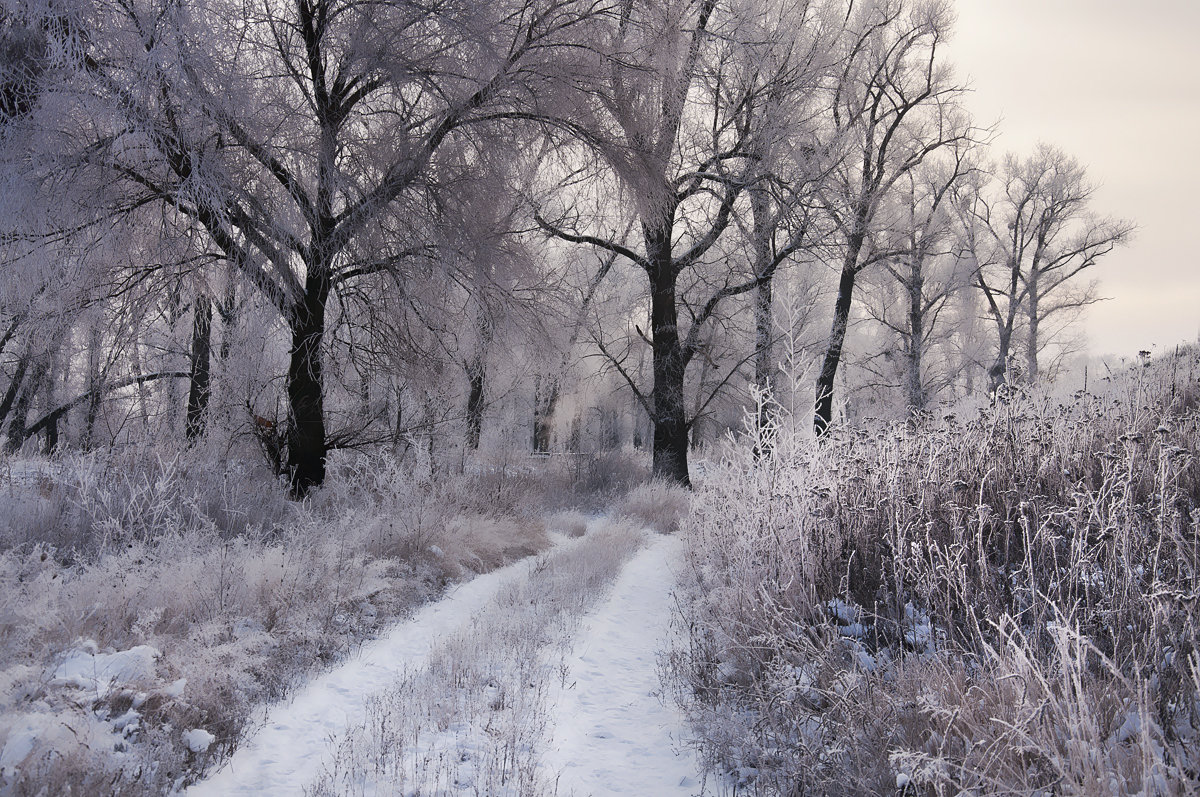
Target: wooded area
column 533, row 224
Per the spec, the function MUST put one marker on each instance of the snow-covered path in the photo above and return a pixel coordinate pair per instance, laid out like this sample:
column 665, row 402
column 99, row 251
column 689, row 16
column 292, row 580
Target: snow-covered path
column 608, row 730
column 286, row 754
column 613, row 733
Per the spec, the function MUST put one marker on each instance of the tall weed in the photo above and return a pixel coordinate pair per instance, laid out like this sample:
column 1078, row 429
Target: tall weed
column 995, row 599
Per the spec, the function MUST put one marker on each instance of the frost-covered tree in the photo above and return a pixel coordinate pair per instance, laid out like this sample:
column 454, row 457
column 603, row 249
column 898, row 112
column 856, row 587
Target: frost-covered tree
column 919, row 282
column 794, row 53
column 1032, row 235
column 287, row 133
column 895, row 105
column 669, row 121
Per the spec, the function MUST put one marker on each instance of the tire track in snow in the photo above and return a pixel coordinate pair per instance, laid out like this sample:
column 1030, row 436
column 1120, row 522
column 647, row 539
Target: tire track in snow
column 286, row 754
column 613, row 732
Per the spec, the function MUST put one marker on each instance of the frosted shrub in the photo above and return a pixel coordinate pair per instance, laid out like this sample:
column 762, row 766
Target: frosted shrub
column 568, row 522
column 482, row 543
column 656, row 505
column 241, row 590
column 995, row 602
column 596, row 480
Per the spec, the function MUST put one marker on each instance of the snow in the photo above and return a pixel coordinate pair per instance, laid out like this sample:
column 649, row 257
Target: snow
column 198, row 740
column 98, row 673
column 45, row 735
column 843, row 612
column 287, row 752
column 86, row 677
column 127, row 723
column 919, row 630
column 21, row 738
column 614, row 733
column 611, row 731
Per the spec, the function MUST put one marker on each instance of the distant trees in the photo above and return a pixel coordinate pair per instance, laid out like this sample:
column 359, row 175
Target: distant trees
column 925, row 274
column 792, row 154
column 894, row 105
column 1032, row 235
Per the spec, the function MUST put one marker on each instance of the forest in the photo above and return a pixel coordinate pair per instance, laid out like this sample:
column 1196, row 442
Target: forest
column 312, row 311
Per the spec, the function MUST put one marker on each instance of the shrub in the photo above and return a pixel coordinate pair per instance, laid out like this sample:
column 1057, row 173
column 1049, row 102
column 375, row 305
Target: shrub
column 656, row 505
column 995, row 602
column 568, row 522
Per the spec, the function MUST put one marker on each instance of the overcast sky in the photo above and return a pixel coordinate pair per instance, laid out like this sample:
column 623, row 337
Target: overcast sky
column 1117, row 85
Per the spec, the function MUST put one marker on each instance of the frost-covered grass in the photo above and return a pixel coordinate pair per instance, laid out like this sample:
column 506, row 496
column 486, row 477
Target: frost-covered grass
column 999, row 601
column 656, row 505
column 474, row 721
column 229, row 593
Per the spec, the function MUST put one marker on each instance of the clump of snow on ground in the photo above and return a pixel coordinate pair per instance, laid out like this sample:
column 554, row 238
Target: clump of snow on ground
column 96, row 674
column 198, row 740
column 92, row 705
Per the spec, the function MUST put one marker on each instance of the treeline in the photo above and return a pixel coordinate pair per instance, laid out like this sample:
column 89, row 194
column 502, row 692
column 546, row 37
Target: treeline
column 330, row 223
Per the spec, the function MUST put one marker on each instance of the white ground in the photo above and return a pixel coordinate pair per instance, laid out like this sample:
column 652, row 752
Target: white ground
column 612, row 733
column 286, row 754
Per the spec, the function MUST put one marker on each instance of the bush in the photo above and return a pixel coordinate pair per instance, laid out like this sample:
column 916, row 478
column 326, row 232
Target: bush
column 568, row 522
column 656, row 505
column 242, row 590
column 989, row 603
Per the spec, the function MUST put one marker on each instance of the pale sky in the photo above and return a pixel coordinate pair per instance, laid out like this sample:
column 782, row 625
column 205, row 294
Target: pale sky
column 1117, row 85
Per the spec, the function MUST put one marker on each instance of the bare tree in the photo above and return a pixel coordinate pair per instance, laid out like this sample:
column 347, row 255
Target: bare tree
column 792, row 155
column 671, row 121
column 927, row 272
column 287, row 132
column 1031, row 239
column 895, row 105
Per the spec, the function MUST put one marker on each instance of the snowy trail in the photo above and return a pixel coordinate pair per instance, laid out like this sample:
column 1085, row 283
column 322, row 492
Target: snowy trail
column 287, row 753
column 613, row 734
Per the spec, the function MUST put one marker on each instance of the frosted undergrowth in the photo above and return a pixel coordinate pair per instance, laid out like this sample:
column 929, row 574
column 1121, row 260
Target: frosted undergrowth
column 224, row 594
column 989, row 601
column 475, row 719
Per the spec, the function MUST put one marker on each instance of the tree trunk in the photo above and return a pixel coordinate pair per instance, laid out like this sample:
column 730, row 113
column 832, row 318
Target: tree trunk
column 670, row 421
column 475, row 375
column 305, row 387
column 916, row 340
column 18, row 431
column 764, row 328
column 1031, row 353
column 93, row 386
column 53, row 375
column 227, row 309
column 998, row 373
column 823, row 416
column 200, row 370
column 764, row 322
column 14, row 388
column 545, row 401
column 51, row 433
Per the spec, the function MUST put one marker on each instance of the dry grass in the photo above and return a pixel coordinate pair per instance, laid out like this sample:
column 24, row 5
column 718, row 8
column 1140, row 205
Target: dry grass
column 994, row 602
column 656, row 505
column 475, row 719
column 568, row 522
column 243, row 591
